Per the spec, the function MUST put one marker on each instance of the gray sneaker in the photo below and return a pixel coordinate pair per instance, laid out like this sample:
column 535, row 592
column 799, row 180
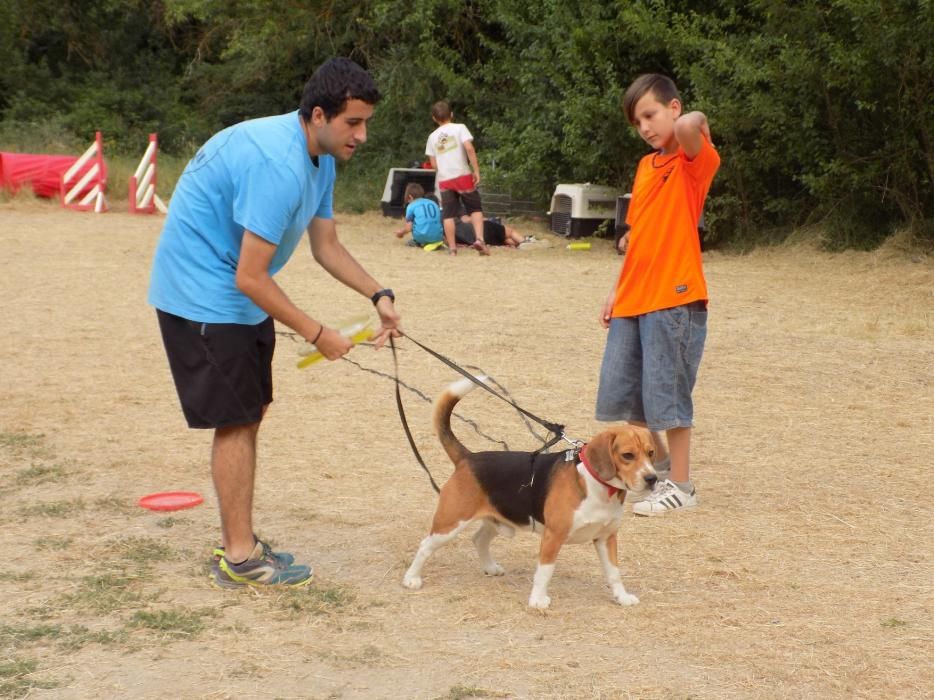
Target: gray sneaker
column 220, row 577
column 263, row 568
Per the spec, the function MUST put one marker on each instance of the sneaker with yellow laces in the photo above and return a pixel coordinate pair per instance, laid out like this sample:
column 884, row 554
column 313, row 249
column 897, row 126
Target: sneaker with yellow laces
column 262, row 568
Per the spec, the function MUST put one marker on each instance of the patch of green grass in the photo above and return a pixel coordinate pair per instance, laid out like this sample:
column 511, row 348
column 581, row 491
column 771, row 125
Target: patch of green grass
column 115, row 504
column 106, row 593
column 306, row 514
column 120, row 168
column 369, row 653
column 894, row 622
column 181, row 622
column 67, row 638
column 464, row 692
column 78, row 636
column 53, row 509
column 39, row 474
column 21, row 442
column 366, row 656
column 16, row 679
column 315, row 600
column 46, row 134
column 44, row 611
column 170, row 522
column 142, row 550
column 356, row 189
column 246, row 669
column 52, row 543
column 15, row 635
column 20, row 667
column 24, row 444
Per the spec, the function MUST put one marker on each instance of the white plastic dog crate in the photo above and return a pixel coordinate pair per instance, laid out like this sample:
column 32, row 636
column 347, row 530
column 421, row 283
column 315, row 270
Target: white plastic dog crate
column 392, row 202
column 580, row 209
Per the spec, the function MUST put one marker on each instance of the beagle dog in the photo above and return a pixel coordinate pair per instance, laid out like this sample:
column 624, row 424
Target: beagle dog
column 566, row 497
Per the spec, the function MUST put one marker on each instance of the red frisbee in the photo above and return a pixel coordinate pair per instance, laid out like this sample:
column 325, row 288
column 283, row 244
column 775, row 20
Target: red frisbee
column 171, row 500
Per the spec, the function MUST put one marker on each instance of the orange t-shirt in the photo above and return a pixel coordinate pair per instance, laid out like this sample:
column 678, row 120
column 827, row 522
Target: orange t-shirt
column 663, row 265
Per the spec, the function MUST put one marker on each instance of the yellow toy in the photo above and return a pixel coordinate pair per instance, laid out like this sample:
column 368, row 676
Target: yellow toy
column 358, row 330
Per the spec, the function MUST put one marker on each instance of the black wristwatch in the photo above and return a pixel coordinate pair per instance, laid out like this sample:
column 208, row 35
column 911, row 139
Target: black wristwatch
column 382, row 293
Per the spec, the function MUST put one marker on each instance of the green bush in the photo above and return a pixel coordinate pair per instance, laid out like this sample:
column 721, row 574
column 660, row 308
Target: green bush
column 821, row 112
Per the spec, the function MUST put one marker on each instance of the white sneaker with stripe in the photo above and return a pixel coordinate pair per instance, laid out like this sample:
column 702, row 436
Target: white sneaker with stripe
column 666, row 497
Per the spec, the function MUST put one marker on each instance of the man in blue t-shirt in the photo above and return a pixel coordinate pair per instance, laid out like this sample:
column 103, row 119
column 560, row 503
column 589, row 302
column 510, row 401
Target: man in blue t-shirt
column 236, row 216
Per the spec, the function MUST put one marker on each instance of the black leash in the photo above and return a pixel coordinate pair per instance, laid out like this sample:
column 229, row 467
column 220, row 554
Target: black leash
column 405, row 423
column 426, row 399
column 556, row 429
column 295, row 338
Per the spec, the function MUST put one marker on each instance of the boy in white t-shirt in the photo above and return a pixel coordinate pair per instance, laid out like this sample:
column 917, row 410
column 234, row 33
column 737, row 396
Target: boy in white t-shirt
column 450, row 149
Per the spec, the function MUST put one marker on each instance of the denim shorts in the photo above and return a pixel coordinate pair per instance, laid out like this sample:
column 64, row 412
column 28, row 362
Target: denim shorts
column 650, row 366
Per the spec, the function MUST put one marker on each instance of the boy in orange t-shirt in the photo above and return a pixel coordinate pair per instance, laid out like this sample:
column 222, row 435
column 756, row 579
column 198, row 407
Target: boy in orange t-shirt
column 657, row 312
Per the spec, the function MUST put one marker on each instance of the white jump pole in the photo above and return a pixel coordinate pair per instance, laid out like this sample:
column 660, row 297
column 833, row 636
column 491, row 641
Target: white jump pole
column 95, row 176
column 143, row 197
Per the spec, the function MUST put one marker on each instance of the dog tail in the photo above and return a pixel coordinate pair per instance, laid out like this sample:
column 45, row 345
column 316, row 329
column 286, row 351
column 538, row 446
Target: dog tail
column 444, row 407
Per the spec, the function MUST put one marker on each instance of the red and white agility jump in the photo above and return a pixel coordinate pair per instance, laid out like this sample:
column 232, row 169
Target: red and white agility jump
column 84, row 184
column 143, row 197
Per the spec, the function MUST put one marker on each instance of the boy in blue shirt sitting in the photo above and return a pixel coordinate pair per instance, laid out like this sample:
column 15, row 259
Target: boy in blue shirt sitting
column 422, row 218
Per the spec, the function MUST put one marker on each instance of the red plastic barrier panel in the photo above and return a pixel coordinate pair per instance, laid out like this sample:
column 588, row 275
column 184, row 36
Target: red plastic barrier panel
column 43, row 172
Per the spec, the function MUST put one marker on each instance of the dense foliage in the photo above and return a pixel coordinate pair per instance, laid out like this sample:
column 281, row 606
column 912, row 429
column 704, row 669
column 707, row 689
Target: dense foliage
column 821, row 109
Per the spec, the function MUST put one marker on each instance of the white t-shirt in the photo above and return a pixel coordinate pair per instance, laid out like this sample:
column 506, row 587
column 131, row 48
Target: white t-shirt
column 446, row 144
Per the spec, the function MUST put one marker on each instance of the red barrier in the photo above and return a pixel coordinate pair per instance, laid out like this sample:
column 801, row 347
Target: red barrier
column 42, row 172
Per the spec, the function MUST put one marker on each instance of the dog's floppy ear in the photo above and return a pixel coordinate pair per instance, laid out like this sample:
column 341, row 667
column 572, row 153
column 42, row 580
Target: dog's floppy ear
column 600, row 455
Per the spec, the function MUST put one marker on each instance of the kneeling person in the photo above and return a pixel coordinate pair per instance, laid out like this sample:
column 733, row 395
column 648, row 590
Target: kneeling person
column 422, row 218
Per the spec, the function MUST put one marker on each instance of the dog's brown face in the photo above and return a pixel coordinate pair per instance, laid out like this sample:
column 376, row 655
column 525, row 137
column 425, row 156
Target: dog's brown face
column 624, row 453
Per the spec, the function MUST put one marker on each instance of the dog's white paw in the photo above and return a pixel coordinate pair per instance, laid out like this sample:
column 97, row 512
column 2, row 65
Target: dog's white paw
column 494, row 569
column 539, row 601
column 413, row 582
column 624, row 598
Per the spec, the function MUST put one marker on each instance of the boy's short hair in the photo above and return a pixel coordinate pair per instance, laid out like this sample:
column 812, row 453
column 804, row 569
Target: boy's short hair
column 661, row 86
column 413, row 190
column 335, row 82
column 441, row 111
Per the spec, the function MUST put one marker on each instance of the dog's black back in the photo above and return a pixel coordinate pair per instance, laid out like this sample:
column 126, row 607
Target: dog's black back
column 515, row 483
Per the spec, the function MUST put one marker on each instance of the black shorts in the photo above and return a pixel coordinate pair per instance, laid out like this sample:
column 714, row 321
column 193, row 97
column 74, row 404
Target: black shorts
column 222, row 371
column 493, row 233
column 451, row 199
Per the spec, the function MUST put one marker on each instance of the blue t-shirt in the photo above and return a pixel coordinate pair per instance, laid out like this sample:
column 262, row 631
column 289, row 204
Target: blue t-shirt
column 256, row 175
column 425, row 216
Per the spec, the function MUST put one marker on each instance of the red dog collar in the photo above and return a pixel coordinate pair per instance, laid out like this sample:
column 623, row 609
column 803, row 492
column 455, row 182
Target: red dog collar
column 611, row 490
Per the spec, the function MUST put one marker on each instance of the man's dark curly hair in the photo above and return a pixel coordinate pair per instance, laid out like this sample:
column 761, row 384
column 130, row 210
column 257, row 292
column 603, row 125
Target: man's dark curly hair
column 335, row 82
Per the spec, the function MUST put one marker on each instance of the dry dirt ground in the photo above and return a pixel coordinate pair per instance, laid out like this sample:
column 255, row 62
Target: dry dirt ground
column 806, row 571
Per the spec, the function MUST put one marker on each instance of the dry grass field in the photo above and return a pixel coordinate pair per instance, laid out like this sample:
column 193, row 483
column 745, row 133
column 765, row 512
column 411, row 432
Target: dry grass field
column 807, row 571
